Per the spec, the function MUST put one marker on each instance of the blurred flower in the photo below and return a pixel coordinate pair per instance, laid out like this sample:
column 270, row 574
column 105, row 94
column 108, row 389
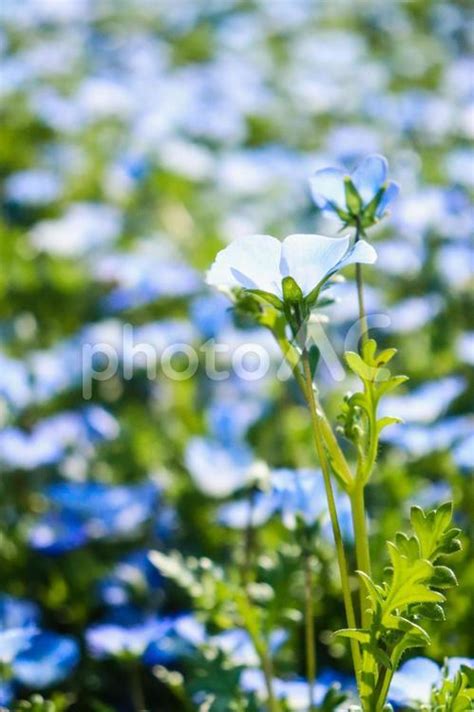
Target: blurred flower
column 129, row 633
column 297, row 495
column 415, row 679
column 48, row 659
column 218, row 470
column 84, row 227
column 294, row 691
column 426, row 403
column 261, row 262
column 33, row 658
column 32, row 187
column 359, row 198
column 133, row 576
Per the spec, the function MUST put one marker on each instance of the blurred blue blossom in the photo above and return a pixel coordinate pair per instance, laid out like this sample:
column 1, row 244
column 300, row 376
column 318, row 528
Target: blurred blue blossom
column 32, row 187
column 329, row 188
column 294, row 691
column 84, row 227
column 33, row 658
column 217, row 470
column 416, row 678
column 133, row 576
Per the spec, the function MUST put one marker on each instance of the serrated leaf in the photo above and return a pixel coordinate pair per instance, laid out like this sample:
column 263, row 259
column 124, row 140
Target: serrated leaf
column 431, row 530
column 409, row 581
column 373, row 590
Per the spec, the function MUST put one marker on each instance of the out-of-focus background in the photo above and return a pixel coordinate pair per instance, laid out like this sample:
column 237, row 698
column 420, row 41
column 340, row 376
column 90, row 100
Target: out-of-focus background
column 138, row 138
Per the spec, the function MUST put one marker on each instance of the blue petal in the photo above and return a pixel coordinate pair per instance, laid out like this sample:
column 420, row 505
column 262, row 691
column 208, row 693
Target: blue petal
column 327, row 189
column 388, row 197
column 369, row 176
column 413, row 681
column 49, row 659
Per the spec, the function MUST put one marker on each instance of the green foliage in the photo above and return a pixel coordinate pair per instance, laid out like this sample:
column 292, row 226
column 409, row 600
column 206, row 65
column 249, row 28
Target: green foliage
column 399, row 605
column 36, row 703
column 456, row 695
column 358, row 419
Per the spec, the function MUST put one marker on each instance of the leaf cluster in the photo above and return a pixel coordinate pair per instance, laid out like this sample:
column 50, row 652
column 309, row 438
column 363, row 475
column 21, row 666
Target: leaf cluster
column 412, row 593
column 358, row 419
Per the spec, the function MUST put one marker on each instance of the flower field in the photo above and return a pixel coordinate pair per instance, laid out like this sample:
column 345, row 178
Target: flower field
column 236, row 356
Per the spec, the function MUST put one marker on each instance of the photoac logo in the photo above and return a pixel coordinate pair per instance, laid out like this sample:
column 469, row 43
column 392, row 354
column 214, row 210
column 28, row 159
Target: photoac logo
column 218, row 360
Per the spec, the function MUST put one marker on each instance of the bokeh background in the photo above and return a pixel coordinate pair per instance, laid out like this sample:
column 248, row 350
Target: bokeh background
column 138, row 138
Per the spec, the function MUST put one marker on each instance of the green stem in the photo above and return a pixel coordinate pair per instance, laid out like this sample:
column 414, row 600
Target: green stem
column 136, row 689
column 337, row 458
column 359, row 521
column 249, row 540
column 246, row 609
column 364, row 327
column 382, row 688
column 309, row 628
column 341, row 556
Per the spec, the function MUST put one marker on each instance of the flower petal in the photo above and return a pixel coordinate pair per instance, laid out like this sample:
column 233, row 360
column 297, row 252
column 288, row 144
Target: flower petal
column 389, row 195
column 361, row 252
column 327, row 189
column 49, row 659
column 251, row 262
column 369, row 176
column 413, row 681
column 310, row 258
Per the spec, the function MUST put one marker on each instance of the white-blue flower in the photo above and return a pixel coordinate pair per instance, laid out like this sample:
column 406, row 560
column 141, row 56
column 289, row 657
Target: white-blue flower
column 328, row 188
column 261, row 262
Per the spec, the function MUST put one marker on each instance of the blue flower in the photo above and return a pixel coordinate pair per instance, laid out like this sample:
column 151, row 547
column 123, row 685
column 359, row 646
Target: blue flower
column 294, row 691
column 260, row 263
column 360, row 198
column 48, row 659
column 34, row 658
column 133, row 575
column 416, row 679
column 125, row 634
column 130, row 633
column 56, row 533
column 218, row 470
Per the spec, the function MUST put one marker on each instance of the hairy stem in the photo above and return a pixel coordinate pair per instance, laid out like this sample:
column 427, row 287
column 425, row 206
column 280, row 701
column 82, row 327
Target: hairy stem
column 361, row 537
column 310, row 642
column 341, row 555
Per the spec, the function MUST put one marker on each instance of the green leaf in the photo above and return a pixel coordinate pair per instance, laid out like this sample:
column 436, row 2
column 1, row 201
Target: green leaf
column 362, row 636
column 409, row 582
column 268, row 297
column 430, row 611
column 357, row 365
column 374, row 591
column 443, row 577
column 386, row 421
column 431, row 528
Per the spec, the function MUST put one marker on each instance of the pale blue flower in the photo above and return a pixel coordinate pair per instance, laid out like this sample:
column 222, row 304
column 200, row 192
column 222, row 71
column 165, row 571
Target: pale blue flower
column 416, row 679
column 215, row 469
column 328, row 188
column 48, row 659
column 261, row 262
